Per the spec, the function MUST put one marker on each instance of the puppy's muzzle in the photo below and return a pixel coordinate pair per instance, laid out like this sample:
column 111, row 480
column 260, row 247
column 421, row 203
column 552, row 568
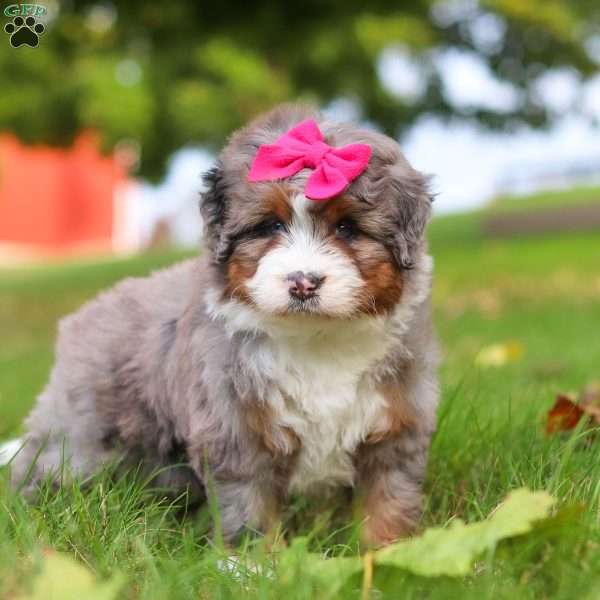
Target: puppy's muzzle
column 303, row 286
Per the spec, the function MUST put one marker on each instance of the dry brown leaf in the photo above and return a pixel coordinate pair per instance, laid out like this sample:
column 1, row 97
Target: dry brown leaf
column 564, row 415
column 568, row 411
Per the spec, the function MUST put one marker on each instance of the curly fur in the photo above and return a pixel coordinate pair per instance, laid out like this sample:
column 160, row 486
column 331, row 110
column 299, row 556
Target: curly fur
column 186, row 369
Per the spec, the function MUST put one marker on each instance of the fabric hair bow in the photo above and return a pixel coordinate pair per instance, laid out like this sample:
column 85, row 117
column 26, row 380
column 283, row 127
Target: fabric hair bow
column 302, row 147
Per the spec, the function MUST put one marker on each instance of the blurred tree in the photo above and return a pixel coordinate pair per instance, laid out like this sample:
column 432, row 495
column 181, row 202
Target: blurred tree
column 174, row 72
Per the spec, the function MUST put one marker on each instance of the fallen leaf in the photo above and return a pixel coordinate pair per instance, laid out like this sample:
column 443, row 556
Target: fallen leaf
column 568, row 410
column 330, row 578
column 453, row 550
column 62, row 578
column 328, row 575
column 450, row 551
column 497, row 355
column 564, row 415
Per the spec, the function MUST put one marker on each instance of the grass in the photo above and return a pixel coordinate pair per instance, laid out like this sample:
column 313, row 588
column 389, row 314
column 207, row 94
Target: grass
column 543, row 293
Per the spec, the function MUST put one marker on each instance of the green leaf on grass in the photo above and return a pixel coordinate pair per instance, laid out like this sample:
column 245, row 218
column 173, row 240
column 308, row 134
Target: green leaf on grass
column 62, row 578
column 327, row 575
column 453, row 550
column 450, row 551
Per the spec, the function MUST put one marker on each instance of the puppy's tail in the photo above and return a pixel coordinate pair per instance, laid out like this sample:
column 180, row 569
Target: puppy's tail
column 8, row 450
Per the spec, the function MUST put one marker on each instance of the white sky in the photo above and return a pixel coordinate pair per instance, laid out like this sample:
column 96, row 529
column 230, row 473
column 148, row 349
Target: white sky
column 469, row 164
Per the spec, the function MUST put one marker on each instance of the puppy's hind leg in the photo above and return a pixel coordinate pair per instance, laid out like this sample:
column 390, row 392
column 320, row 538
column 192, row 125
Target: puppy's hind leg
column 65, row 439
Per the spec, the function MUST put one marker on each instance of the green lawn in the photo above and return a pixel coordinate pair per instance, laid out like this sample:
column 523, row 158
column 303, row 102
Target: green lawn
column 543, row 293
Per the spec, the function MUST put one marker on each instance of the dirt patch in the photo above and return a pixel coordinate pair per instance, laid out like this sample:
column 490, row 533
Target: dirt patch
column 564, row 219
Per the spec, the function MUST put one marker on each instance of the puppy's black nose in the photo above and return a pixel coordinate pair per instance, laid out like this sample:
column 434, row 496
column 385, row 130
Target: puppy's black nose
column 304, row 285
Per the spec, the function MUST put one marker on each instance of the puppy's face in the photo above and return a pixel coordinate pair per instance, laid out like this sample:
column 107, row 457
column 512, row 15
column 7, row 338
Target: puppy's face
column 285, row 254
column 320, row 258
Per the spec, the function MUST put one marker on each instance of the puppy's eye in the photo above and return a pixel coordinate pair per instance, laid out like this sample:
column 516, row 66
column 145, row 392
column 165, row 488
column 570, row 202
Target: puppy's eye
column 346, row 229
column 277, row 227
column 270, row 228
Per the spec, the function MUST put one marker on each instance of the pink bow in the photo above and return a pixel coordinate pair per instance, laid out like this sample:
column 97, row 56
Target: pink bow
column 303, row 147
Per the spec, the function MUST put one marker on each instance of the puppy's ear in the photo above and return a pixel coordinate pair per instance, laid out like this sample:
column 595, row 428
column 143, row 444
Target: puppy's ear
column 408, row 191
column 213, row 205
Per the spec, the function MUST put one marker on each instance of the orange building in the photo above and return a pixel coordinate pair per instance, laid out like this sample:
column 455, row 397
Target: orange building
column 58, row 202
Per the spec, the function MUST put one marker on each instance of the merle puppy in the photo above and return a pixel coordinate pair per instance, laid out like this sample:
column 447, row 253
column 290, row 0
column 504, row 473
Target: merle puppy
column 296, row 354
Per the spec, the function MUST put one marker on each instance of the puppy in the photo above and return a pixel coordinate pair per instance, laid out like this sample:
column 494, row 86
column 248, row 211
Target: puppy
column 296, row 354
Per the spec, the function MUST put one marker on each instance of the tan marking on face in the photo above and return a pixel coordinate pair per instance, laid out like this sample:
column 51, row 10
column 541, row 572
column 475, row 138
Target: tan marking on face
column 276, row 201
column 336, row 209
column 383, row 278
column 242, row 265
column 383, row 282
column 379, row 270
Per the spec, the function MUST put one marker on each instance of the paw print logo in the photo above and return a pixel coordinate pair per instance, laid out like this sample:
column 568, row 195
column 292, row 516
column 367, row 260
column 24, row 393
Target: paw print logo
column 24, row 32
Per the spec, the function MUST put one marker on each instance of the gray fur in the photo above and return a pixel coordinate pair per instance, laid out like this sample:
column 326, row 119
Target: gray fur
column 143, row 373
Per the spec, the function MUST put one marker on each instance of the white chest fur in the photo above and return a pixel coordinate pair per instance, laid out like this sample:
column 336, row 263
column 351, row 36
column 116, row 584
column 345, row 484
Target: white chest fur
column 322, row 392
column 321, row 388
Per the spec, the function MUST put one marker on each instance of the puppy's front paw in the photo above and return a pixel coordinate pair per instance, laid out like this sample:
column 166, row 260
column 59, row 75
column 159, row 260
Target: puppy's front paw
column 378, row 531
column 388, row 517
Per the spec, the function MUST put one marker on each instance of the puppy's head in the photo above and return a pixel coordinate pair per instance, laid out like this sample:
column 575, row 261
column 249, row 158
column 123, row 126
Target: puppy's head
column 285, row 254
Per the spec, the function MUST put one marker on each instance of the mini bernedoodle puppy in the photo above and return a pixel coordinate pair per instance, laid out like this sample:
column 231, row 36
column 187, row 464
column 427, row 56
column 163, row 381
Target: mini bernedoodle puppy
column 296, row 354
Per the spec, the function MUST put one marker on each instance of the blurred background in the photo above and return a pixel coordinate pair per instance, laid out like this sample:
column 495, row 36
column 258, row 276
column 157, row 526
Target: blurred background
column 107, row 125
